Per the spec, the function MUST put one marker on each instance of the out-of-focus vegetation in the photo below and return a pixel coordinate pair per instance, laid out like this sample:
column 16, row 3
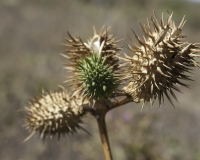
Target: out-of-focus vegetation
column 31, row 33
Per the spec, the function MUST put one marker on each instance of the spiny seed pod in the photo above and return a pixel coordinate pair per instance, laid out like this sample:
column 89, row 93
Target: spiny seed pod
column 53, row 113
column 157, row 65
column 96, row 77
column 101, row 46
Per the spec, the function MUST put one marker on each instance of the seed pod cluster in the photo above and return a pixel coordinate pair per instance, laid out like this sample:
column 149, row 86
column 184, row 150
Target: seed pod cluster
column 156, row 66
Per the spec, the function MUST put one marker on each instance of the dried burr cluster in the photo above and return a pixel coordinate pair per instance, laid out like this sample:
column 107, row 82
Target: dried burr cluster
column 158, row 64
column 54, row 113
column 100, row 77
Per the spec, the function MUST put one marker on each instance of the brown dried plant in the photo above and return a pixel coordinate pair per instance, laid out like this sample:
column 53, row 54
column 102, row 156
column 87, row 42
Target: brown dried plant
column 153, row 69
column 160, row 62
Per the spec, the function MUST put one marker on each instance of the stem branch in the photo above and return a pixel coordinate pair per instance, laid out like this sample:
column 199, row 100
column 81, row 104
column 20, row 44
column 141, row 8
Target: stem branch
column 120, row 102
column 104, row 136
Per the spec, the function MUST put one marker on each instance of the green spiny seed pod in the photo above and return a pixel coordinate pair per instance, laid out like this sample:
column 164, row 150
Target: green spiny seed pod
column 53, row 113
column 96, row 77
column 157, row 65
column 100, row 50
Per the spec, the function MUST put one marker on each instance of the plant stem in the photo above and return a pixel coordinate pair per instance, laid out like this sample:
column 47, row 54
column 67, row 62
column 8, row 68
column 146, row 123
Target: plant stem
column 104, row 136
column 120, row 102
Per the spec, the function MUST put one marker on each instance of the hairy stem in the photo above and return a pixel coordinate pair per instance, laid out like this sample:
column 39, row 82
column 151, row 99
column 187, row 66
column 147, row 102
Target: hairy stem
column 104, row 136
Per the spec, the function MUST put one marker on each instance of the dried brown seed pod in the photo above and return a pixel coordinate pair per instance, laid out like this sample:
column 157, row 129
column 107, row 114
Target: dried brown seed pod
column 53, row 113
column 160, row 62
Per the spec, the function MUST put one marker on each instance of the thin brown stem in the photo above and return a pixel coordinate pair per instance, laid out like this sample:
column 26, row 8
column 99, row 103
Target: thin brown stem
column 120, row 102
column 104, row 136
column 117, row 94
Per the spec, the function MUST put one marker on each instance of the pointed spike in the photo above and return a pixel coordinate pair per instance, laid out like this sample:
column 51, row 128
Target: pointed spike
column 155, row 82
column 169, row 98
column 65, row 56
column 169, row 19
column 159, row 99
column 31, row 135
column 154, row 24
column 142, row 106
column 195, row 63
column 135, row 35
column 147, row 27
column 162, row 35
column 172, row 93
column 83, row 44
column 138, row 39
column 95, row 31
column 175, row 88
column 183, row 21
column 135, row 45
column 152, row 88
column 166, row 66
column 155, row 18
column 160, row 71
column 145, row 32
column 142, row 27
column 194, row 55
column 72, row 37
column 162, row 22
column 182, row 84
column 102, row 30
column 162, row 96
column 151, row 102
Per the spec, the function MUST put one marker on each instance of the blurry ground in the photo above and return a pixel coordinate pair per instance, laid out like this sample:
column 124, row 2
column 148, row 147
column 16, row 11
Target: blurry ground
column 31, row 33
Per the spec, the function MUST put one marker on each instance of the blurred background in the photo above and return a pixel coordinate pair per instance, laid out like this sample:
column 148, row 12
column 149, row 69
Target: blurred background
column 31, row 33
